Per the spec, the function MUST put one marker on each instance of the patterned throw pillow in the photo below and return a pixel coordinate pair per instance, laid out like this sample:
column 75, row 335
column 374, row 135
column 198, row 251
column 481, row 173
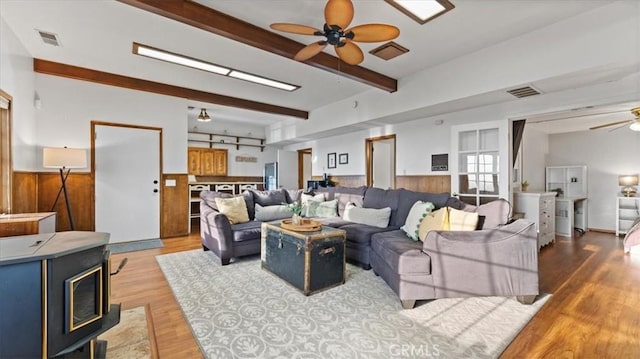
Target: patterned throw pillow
column 434, row 221
column 418, row 212
column 234, row 208
column 327, row 209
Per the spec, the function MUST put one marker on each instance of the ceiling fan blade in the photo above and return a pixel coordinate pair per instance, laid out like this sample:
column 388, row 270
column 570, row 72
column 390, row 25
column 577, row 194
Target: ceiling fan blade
column 610, row 124
column 338, row 12
column 310, row 51
column 374, row 32
column 294, row 28
column 350, row 53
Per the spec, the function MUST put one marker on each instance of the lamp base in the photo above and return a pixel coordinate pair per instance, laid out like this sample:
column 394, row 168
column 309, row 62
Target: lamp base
column 629, row 191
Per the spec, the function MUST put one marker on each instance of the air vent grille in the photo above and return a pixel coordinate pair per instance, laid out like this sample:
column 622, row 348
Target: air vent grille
column 389, row 50
column 524, row 92
column 49, row 38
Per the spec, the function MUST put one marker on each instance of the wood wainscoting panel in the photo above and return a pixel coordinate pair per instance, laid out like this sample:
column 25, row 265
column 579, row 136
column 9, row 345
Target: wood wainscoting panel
column 24, row 192
column 81, row 199
column 345, row 181
column 425, row 183
column 174, row 206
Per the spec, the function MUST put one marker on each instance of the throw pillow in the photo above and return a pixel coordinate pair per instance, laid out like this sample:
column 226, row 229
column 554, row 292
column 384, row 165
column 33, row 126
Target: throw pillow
column 234, row 208
column 417, row 213
column 434, row 221
column 369, row 216
column 271, row 213
column 327, row 209
column 320, row 197
column 461, row 220
column 344, row 198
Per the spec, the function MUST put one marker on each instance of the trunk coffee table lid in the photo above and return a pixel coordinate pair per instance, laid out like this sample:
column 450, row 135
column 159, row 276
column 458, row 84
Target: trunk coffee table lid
column 306, row 225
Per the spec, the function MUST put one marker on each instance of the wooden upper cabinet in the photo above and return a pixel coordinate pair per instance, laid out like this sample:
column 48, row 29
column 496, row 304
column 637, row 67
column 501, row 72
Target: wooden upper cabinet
column 194, row 161
column 220, row 162
column 207, row 161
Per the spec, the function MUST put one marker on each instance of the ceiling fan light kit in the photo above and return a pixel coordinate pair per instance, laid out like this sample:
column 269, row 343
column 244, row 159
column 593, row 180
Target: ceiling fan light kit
column 338, row 15
column 634, row 124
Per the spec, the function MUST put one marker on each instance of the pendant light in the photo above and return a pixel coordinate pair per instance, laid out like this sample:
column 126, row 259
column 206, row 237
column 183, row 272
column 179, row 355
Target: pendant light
column 203, row 116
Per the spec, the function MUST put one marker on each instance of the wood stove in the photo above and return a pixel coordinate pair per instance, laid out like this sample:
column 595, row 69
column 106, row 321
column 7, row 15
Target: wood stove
column 55, row 294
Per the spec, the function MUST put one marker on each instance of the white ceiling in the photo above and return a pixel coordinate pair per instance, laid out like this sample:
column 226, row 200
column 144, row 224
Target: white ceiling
column 99, row 35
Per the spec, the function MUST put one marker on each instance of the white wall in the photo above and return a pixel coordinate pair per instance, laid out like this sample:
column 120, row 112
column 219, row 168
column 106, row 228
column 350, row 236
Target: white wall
column 69, row 106
column 606, row 155
column 17, row 79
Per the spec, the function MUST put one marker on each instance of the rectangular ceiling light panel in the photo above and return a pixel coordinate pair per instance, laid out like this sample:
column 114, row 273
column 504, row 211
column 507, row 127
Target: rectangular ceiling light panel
column 422, row 10
column 178, row 59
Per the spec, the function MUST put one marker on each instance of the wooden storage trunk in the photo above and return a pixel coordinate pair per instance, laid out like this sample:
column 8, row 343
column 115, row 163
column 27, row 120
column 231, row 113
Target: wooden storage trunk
column 309, row 261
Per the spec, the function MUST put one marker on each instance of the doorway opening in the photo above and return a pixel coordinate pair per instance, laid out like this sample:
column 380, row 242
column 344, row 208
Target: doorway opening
column 304, row 167
column 380, row 160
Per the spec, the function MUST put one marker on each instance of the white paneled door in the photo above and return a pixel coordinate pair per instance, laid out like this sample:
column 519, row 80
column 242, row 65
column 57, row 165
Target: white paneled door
column 127, row 188
column 479, row 161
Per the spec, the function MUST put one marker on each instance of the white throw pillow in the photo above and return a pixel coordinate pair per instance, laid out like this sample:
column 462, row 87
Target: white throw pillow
column 304, row 198
column 271, row 213
column 418, row 212
column 369, row 216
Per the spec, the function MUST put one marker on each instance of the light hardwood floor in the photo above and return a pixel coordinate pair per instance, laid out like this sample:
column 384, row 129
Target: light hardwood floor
column 594, row 311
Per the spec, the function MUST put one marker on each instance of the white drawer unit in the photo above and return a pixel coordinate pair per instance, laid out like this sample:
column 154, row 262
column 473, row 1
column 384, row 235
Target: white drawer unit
column 538, row 207
column 627, row 210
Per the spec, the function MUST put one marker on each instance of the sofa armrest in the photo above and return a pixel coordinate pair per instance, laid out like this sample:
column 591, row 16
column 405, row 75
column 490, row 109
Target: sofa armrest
column 215, row 231
column 494, row 262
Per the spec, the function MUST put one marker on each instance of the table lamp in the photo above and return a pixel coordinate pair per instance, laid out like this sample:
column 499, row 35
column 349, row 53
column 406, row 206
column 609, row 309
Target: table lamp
column 628, row 181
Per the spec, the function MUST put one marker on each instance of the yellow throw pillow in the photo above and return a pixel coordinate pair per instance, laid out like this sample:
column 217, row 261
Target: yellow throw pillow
column 234, row 208
column 462, row 221
column 434, row 221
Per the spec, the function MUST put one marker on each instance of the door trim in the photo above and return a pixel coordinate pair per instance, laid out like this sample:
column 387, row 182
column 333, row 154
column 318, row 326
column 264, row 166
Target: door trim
column 368, row 150
column 301, row 153
column 6, row 184
column 93, row 165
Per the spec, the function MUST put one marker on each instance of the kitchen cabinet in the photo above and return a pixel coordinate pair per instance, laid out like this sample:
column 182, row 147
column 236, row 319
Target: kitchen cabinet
column 207, row 161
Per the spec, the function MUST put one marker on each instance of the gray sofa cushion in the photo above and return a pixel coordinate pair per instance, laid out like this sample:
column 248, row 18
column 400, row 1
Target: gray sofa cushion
column 381, row 198
column 246, row 231
column 408, row 198
column 293, row 195
column 400, row 253
column 269, row 198
column 361, row 233
column 248, row 199
column 209, row 197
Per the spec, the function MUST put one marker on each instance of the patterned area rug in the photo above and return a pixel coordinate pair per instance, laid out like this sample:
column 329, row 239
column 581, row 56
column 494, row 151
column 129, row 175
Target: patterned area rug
column 133, row 337
column 135, row 246
column 241, row 311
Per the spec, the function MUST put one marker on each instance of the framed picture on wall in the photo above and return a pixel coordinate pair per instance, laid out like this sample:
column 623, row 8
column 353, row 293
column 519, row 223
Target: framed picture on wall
column 343, row 158
column 331, row 160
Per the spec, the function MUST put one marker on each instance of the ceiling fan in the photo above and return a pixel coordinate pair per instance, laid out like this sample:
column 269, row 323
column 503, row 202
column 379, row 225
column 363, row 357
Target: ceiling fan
column 634, row 123
column 338, row 15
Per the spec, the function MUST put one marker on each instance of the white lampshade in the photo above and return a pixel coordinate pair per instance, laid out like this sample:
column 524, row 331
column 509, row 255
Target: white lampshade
column 630, row 180
column 64, row 157
column 635, row 126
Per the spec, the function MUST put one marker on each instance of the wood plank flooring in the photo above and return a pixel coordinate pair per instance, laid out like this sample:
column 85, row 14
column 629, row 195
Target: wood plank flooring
column 594, row 311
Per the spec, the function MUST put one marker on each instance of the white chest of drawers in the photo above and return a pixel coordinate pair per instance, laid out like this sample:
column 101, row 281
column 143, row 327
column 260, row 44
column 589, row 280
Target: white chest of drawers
column 538, row 207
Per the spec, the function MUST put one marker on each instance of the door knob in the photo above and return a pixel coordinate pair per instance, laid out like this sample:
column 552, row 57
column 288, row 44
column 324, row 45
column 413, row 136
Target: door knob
column 155, row 181
column 155, row 190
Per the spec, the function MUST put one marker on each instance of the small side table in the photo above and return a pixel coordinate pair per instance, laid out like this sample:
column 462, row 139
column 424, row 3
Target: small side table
column 309, row 261
column 27, row 223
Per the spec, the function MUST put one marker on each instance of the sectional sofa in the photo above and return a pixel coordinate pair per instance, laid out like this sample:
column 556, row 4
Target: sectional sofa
column 500, row 259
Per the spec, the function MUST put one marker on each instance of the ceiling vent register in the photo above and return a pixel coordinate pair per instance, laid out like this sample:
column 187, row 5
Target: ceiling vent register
column 49, row 38
column 524, row 92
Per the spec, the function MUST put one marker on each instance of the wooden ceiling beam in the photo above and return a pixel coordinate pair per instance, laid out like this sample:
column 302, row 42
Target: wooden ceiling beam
column 208, row 19
column 105, row 78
